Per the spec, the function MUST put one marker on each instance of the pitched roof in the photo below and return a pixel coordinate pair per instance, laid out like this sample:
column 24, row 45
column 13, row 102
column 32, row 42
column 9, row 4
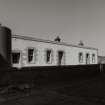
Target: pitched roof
column 48, row 41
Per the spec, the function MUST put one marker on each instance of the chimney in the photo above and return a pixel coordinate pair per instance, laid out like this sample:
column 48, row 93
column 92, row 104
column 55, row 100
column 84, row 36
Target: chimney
column 81, row 43
column 58, row 39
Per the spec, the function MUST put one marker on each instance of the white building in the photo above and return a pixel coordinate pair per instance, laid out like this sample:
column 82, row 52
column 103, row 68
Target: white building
column 27, row 51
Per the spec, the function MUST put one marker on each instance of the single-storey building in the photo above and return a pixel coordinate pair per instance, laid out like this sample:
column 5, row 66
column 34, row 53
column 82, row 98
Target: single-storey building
column 29, row 51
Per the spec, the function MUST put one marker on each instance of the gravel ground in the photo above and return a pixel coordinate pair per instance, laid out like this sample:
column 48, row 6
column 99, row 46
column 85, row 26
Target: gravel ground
column 89, row 91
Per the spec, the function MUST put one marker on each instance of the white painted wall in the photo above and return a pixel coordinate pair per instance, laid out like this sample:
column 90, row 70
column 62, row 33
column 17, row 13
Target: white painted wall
column 71, row 53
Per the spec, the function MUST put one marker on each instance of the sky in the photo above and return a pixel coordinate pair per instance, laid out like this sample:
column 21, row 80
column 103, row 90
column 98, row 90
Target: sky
column 72, row 20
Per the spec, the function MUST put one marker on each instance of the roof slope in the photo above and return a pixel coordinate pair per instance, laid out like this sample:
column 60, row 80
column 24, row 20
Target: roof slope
column 48, row 41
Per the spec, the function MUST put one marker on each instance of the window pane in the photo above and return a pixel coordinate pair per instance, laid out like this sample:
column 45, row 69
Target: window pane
column 48, row 56
column 15, row 57
column 93, row 58
column 80, row 57
column 30, row 55
column 87, row 59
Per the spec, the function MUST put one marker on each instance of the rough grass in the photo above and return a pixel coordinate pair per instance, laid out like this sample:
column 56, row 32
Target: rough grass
column 83, row 91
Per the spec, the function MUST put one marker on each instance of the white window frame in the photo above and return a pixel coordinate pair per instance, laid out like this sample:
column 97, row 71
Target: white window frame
column 93, row 58
column 34, row 55
column 80, row 56
column 16, row 51
column 51, row 56
column 87, row 58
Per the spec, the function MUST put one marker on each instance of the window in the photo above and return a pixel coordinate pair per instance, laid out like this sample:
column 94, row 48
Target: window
column 87, row 58
column 48, row 56
column 93, row 58
column 31, row 55
column 15, row 57
column 80, row 57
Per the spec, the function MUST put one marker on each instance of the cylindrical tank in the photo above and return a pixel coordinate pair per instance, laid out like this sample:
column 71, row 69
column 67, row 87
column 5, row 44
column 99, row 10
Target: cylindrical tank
column 5, row 46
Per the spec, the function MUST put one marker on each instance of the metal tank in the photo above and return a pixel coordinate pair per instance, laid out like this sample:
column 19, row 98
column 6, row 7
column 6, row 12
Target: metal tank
column 5, row 46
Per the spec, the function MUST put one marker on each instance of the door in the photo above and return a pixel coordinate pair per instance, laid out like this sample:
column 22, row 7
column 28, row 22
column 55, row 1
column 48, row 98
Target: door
column 61, row 58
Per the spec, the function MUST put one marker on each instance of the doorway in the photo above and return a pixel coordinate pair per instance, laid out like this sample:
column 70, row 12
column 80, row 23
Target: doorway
column 61, row 57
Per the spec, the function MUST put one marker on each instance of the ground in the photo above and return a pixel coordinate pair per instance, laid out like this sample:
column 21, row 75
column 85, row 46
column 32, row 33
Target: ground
column 90, row 91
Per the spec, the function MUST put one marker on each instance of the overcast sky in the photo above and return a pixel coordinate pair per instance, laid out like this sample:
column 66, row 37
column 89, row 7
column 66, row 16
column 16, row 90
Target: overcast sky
column 72, row 20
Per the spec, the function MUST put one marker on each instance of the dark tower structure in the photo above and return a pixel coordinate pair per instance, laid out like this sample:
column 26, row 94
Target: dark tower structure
column 5, row 46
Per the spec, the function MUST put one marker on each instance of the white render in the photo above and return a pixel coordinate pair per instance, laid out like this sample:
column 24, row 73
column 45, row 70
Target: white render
column 21, row 43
